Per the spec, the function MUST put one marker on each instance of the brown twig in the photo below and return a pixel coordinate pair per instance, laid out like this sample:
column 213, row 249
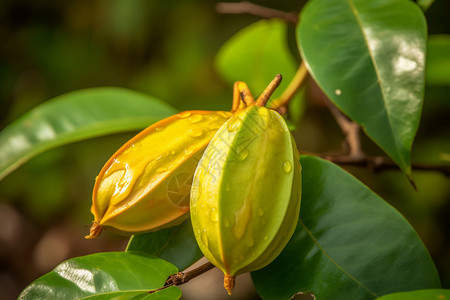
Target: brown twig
column 246, row 7
column 350, row 129
column 183, row 277
column 378, row 163
column 268, row 91
column 355, row 155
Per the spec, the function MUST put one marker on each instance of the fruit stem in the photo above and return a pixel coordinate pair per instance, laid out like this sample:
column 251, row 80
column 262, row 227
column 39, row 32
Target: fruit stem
column 228, row 283
column 242, row 97
column 95, row 230
column 294, row 85
column 265, row 96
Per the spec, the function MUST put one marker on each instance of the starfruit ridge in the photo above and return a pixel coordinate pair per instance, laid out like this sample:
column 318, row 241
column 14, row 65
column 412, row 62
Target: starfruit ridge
column 142, row 166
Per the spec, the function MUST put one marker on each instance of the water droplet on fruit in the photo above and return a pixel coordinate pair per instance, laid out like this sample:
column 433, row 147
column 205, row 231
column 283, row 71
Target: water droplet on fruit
column 159, row 129
column 287, row 166
column 184, row 115
column 214, row 117
column 234, row 125
column 243, row 154
column 214, row 215
column 195, row 132
column 224, row 114
column 162, row 170
column 195, row 118
column 242, row 217
column 205, row 237
column 213, row 126
column 260, row 212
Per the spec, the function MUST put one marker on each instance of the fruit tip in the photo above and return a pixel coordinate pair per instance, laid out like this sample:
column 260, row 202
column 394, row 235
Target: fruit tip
column 228, row 283
column 94, row 231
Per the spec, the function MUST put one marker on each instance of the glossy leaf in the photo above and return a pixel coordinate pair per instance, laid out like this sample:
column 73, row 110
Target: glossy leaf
column 418, row 295
column 76, row 116
column 348, row 244
column 170, row 293
column 101, row 273
column 438, row 60
column 256, row 54
column 425, row 4
column 369, row 58
column 176, row 245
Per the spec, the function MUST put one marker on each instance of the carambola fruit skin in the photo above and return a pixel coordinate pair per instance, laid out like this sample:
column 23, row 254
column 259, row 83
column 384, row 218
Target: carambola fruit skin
column 145, row 185
column 245, row 197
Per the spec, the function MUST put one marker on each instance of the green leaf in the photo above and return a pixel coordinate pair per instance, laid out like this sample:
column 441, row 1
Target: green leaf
column 170, row 293
column 101, row 273
column 256, row 54
column 76, row 116
column 418, row 295
column 348, row 244
column 369, row 58
column 438, row 60
column 425, row 4
column 176, row 245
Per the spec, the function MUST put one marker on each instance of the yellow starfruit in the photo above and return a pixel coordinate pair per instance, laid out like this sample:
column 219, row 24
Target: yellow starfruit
column 145, row 185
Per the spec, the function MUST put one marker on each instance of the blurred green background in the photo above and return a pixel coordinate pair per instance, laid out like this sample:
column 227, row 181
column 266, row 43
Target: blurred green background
column 165, row 49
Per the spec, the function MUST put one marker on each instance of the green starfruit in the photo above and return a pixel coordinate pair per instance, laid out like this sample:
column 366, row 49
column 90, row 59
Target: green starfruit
column 245, row 196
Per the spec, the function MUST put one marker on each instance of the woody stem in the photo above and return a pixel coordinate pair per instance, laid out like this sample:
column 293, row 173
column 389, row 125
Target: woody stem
column 265, row 96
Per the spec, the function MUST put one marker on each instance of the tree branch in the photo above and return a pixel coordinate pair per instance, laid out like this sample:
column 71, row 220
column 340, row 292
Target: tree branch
column 245, row 7
column 355, row 156
column 378, row 163
column 350, row 130
column 183, row 277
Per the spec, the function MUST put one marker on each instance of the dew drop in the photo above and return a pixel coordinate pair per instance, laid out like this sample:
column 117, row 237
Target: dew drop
column 243, row 155
column 172, row 152
column 214, row 215
column 266, row 237
column 184, row 115
column 162, row 170
column 195, row 118
column 159, row 129
column 205, row 237
column 224, row 114
column 260, row 212
column 338, row 92
column 234, row 125
column 287, row 166
column 213, row 126
column 195, row 132
column 214, row 117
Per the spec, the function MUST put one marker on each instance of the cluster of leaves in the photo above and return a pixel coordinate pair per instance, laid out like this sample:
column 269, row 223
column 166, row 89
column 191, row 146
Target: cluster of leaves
column 369, row 59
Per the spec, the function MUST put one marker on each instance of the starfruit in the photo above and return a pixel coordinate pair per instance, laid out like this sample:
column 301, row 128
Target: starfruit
column 246, row 192
column 145, row 185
